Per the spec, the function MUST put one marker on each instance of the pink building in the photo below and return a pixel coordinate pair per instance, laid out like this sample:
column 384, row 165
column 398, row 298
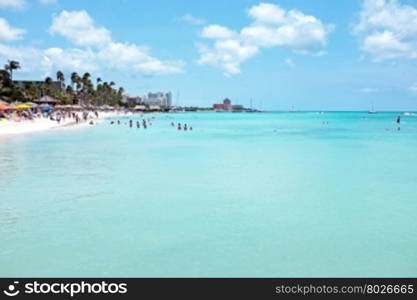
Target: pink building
column 226, row 105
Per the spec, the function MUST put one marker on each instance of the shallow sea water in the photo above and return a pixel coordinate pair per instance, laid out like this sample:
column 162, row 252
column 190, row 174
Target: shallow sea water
column 242, row 195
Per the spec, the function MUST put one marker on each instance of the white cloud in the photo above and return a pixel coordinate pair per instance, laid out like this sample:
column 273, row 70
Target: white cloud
column 267, row 13
column 387, row 29
column 227, row 54
column 189, row 18
column 413, row 88
column 69, row 59
column 9, row 33
column 101, row 50
column 154, row 66
column 127, row 56
column 50, row 60
column 94, row 50
column 217, row 32
column 28, row 57
column 289, row 62
column 368, row 90
column 46, row 2
column 12, row 4
column 79, row 28
column 272, row 26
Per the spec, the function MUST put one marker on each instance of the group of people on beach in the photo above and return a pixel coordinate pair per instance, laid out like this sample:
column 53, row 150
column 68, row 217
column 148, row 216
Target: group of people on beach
column 75, row 116
column 52, row 115
column 17, row 115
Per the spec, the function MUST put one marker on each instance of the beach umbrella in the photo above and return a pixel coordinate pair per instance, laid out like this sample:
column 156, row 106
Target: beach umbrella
column 4, row 107
column 31, row 104
column 22, row 106
column 45, row 107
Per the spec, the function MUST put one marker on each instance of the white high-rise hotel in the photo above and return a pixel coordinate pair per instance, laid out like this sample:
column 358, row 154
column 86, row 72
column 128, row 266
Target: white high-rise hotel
column 159, row 98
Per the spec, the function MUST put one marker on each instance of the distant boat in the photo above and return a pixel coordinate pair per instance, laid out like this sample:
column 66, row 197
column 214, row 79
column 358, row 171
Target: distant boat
column 372, row 111
column 408, row 114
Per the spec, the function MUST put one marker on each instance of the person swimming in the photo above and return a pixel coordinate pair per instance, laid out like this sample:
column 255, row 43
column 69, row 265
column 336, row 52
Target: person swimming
column 185, row 127
column 172, row 124
column 112, row 122
column 179, row 126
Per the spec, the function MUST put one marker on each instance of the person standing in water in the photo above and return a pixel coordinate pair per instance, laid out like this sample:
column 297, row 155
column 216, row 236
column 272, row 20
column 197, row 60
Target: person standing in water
column 185, row 127
column 130, row 123
column 399, row 122
column 179, row 126
column 137, row 124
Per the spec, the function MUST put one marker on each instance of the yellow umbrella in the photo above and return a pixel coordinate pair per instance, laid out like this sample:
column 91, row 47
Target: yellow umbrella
column 22, row 106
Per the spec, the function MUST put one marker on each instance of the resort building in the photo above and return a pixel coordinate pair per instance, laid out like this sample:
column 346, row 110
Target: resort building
column 159, row 98
column 226, row 105
column 54, row 85
column 132, row 100
column 162, row 100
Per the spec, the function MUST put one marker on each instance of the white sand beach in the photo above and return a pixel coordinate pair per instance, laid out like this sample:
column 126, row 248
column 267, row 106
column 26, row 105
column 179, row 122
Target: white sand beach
column 41, row 124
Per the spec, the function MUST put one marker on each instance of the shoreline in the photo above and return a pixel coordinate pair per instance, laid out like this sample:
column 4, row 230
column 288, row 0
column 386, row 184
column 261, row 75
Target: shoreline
column 11, row 128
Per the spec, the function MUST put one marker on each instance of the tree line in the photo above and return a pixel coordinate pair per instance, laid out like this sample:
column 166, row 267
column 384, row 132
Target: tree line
column 80, row 90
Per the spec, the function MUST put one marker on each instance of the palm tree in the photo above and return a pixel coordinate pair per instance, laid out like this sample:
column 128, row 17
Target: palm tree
column 69, row 89
column 60, row 77
column 48, row 80
column 10, row 66
column 6, row 86
column 86, row 76
column 74, row 79
column 47, row 83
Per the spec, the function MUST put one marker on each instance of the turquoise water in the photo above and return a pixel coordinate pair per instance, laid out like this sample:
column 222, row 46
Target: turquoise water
column 263, row 195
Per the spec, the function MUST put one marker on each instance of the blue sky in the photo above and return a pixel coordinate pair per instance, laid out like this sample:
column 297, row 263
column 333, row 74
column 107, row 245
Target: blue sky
column 310, row 55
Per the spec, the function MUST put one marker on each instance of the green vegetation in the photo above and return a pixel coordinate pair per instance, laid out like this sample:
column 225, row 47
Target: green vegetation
column 81, row 89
